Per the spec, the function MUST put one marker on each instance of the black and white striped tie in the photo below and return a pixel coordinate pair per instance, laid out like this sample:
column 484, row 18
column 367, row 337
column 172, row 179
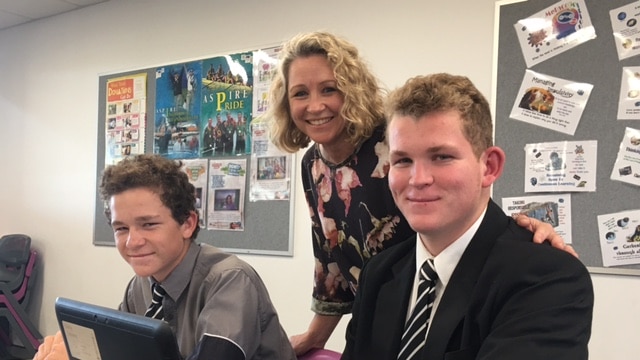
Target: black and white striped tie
column 155, row 309
column 415, row 333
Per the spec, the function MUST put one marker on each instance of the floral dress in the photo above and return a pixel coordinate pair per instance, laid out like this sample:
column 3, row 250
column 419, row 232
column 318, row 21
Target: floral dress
column 353, row 218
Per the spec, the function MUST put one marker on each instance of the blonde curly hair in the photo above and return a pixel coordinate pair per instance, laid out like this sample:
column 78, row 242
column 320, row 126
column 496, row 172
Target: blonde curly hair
column 363, row 109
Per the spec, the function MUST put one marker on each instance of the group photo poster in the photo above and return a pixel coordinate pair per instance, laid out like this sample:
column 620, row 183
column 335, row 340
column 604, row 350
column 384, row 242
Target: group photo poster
column 177, row 119
column 227, row 90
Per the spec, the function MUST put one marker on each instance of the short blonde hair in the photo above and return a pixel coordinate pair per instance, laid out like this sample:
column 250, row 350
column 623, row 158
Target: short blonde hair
column 423, row 95
column 363, row 107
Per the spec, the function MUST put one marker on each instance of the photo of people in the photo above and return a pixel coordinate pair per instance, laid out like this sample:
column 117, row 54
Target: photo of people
column 272, row 167
column 226, row 199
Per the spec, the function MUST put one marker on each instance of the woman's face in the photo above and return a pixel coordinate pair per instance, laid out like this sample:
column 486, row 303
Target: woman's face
column 315, row 101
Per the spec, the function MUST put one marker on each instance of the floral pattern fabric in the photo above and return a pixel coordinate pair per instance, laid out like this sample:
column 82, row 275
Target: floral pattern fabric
column 353, row 218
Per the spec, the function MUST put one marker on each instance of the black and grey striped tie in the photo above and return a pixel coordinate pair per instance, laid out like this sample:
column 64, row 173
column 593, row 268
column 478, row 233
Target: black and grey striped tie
column 155, row 309
column 415, row 333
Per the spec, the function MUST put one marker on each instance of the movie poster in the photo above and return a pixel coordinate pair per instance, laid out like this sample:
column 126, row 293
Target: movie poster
column 226, row 112
column 177, row 121
column 126, row 115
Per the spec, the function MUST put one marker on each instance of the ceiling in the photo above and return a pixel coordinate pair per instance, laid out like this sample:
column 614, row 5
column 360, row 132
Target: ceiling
column 16, row 12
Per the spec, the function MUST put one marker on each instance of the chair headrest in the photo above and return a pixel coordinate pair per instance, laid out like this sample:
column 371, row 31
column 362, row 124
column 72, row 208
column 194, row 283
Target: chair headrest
column 15, row 249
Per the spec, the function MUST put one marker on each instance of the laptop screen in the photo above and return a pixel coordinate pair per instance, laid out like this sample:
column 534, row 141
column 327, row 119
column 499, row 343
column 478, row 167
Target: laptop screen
column 93, row 332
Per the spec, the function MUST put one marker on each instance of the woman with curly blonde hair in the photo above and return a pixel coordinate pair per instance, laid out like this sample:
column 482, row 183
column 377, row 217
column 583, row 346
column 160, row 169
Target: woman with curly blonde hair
column 324, row 93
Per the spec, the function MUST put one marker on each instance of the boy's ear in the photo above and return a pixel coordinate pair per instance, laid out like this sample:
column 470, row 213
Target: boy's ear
column 189, row 225
column 494, row 159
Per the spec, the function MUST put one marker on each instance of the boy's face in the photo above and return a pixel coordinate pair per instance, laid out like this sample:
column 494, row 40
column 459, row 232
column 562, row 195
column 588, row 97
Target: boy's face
column 146, row 235
column 435, row 177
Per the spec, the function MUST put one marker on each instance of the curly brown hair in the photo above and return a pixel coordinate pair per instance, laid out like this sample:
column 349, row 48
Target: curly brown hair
column 363, row 106
column 156, row 173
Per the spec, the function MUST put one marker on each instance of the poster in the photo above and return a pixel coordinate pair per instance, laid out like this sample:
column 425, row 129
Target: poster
column 627, row 165
column 126, row 115
column 227, row 93
column 629, row 103
column 550, row 102
column 565, row 166
column 271, row 168
column 225, row 203
column 197, row 170
column 619, row 235
column 554, row 30
column 554, row 210
column 177, row 123
column 626, row 30
column 265, row 64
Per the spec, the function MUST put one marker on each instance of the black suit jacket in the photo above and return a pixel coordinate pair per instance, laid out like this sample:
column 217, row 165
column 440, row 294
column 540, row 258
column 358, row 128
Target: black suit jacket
column 507, row 298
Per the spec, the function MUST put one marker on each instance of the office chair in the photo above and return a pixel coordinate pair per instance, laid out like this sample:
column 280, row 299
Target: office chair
column 17, row 264
column 320, row 354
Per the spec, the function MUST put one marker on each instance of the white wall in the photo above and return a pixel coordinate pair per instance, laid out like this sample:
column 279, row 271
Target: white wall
column 48, row 113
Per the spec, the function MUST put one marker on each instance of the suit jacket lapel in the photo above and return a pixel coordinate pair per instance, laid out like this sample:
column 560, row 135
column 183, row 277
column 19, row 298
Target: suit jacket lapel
column 392, row 303
column 457, row 295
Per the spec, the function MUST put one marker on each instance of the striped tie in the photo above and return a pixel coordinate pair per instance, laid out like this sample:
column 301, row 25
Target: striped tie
column 415, row 333
column 155, row 309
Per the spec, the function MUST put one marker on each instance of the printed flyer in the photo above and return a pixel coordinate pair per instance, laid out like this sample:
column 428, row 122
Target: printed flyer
column 620, row 238
column 552, row 209
column 197, row 171
column 225, row 203
column 265, row 63
column 626, row 32
column 565, row 166
column 627, row 165
column 270, row 167
column 126, row 116
column 177, row 120
column 227, row 90
column 550, row 102
column 629, row 103
column 554, row 30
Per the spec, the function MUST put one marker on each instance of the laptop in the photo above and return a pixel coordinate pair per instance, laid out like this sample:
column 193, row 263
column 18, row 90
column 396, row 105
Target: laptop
column 93, row 332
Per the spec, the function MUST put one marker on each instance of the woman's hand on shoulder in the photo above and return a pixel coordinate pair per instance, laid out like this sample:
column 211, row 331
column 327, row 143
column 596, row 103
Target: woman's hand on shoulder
column 542, row 232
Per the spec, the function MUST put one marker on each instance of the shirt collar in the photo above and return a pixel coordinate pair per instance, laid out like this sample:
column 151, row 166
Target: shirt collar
column 177, row 281
column 448, row 259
